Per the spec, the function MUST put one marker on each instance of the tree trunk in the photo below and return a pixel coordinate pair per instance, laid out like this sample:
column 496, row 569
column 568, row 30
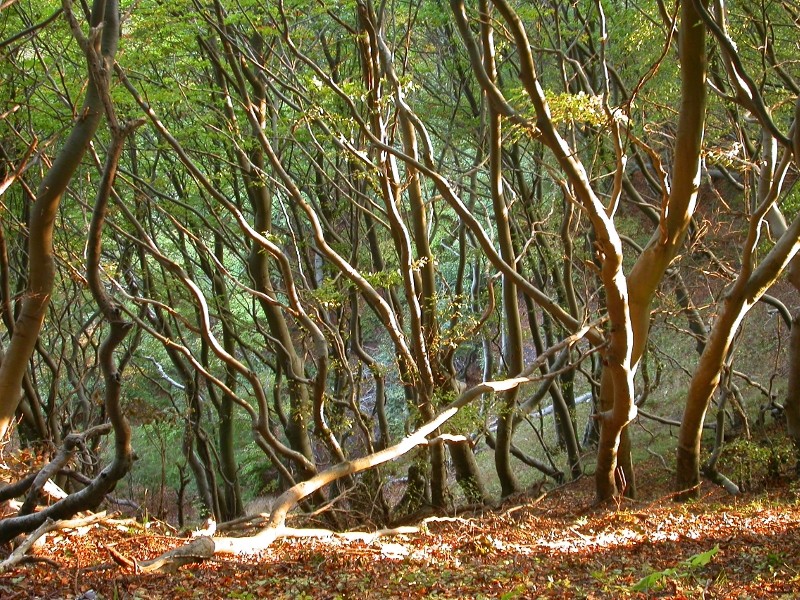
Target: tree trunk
column 291, row 363
column 650, row 267
column 792, row 404
column 512, row 336
column 227, row 442
column 565, row 422
column 467, row 473
column 94, row 493
column 41, row 263
column 746, row 290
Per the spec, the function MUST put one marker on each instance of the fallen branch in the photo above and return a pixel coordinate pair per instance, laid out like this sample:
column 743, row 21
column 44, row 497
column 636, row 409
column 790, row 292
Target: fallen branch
column 198, row 550
column 276, row 526
column 366, row 537
column 20, row 552
column 71, row 444
column 12, row 490
column 719, row 479
column 245, row 522
column 204, row 548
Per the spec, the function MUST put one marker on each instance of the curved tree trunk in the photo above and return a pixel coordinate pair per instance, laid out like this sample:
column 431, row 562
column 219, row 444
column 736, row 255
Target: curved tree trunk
column 512, row 336
column 617, row 354
column 41, row 269
column 649, row 269
column 94, row 493
column 748, row 288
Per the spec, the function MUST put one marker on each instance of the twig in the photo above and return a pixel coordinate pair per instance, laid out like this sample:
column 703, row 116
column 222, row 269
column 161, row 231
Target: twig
column 71, row 444
column 18, row 555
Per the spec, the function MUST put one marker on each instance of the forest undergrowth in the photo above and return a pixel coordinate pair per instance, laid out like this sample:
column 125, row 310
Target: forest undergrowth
column 556, row 544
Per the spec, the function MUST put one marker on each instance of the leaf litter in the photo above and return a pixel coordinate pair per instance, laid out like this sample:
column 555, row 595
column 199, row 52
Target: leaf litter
column 556, row 546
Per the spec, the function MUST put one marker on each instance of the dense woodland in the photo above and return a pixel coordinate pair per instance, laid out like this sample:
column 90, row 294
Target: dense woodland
column 342, row 252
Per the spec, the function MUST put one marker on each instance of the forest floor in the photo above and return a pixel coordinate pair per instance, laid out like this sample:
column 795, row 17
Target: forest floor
column 556, row 545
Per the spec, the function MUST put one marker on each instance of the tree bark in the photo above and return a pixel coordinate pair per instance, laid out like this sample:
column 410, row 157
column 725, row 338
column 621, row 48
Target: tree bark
column 512, row 336
column 650, row 268
column 617, row 354
column 749, row 286
column 792, row 403
column 94, row 493
column 41, row 265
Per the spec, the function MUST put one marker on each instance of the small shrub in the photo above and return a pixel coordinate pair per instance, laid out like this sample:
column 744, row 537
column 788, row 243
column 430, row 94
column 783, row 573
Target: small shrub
column 751, row 464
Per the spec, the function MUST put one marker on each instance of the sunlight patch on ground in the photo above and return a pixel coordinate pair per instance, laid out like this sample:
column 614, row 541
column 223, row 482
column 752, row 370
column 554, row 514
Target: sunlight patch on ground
column 394, row 551
column 606, row 539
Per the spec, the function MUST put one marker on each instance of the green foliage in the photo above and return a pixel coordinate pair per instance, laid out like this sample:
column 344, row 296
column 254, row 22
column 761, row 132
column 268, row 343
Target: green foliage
column 576, row 108
column 685, row 569
column 791, row 204
column 328, row 294
column 383, row 279
column 750, row 464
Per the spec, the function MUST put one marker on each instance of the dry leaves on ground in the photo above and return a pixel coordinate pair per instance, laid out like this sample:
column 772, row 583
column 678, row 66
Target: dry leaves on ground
column 551, row 547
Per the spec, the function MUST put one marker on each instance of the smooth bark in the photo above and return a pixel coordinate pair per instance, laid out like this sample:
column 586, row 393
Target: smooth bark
column 105, row 24
column 512, row 348
column 749, row 286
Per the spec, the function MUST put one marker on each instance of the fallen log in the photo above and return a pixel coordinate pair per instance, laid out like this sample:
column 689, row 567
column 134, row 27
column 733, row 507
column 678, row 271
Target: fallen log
column 276, row 526
column 199, row 550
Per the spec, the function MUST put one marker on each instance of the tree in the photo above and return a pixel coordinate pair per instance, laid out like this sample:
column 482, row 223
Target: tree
column 754, row 277
column 309, row 234
column 99, row 49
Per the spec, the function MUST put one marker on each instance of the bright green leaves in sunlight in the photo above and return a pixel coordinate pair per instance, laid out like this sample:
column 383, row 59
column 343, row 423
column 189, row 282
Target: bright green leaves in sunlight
column 685, row 568
column 576, row 108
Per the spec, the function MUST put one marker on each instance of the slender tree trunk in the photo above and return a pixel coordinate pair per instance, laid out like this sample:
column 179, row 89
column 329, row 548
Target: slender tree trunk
column 193, row 450
column 418, row 281
column 512, row 336
column 41, row 263
column 292, row 363
column 705, row 380
column 94, row 493
column 227, row 440
column 651, row 265
column 744, row 293
column 792, row 404
column 617, row 354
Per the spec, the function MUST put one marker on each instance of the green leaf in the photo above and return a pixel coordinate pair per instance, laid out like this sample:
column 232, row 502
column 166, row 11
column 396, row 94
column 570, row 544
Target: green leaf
column 512, row 594
column 701, row 560
column 648, row 581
